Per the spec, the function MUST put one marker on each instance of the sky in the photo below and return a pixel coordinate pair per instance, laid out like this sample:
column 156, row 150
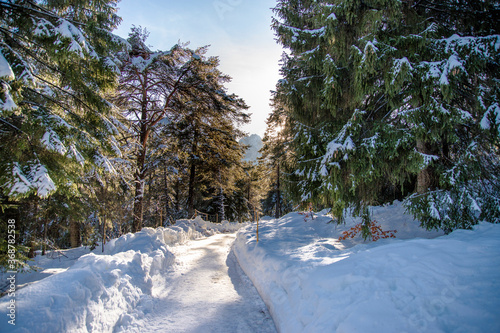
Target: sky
column 238, row 32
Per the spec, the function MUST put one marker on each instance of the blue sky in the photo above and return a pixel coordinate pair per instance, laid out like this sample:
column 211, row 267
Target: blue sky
column 238, row 31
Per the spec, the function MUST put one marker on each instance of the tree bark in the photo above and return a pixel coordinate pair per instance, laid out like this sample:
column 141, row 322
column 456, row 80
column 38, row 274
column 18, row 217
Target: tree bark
column 278, row 193
column 74, row 234
column 139, row 195
column 177, row 195
column 168, row 203
column 192, row 178
column 140, row 175
column 426, row 178
column 192, row 175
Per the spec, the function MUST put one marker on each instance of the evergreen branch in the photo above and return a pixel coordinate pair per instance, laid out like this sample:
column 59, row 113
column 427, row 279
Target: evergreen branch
column 28, row 51
column 68, row 93
column 36, row 9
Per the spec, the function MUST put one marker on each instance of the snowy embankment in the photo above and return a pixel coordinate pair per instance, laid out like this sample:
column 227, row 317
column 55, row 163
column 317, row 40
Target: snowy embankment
column 97, row 291
column 419, row 282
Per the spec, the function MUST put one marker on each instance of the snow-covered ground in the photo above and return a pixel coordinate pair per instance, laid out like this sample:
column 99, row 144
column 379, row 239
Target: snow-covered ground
column 186, row 278
column 206, row 291
column 419, row 282
column 114, row 291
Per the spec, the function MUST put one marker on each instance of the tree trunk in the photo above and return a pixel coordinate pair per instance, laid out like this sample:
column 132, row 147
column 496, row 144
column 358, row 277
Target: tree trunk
column 192, row 175
column 168, row 212
column 140, row 177
column 426, row 178
column 103, row 219
column 220, row 200
column 74, row 234
column 278, row 193
column 45, row 233
column 192, row 178
column 139, row 193
column 102, row 214
column 178, row 195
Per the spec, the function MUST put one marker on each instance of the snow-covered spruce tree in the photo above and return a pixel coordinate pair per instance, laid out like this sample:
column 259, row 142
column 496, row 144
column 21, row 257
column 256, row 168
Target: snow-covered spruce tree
column 169, row 86
column 450, row 95
column 206, row 128
column 410, row 97
column 371, row 158
column 298, row 26
column 56, row 66
column 320, row 93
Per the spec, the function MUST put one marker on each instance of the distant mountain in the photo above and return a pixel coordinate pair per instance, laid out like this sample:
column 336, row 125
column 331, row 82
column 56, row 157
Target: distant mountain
column 254, row 143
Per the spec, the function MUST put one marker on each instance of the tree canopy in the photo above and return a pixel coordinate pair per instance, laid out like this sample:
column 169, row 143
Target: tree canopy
column 393, row 100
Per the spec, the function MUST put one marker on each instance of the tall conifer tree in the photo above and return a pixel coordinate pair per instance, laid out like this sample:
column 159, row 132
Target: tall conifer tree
column 170, row 87
column 56, row 66
column 395, row 97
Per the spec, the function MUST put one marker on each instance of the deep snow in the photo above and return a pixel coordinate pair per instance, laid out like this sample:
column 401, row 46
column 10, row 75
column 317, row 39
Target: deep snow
column 103, row 292
column 206, row 291
column 419, row 282
column 160, row 279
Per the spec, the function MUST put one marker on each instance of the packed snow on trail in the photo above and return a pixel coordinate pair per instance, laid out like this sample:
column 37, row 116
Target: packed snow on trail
column 418, row 282
column 134, row 279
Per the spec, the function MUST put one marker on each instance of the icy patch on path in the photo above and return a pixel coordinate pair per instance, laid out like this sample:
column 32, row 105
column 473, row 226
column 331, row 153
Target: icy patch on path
column 206, row 291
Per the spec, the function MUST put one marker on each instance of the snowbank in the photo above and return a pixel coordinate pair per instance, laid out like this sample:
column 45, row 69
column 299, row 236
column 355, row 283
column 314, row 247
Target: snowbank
column 419, row 282
column 99, row 292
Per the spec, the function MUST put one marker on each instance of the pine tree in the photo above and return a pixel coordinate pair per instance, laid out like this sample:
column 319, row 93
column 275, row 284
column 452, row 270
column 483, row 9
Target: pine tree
column 407, row 101
column 206, row 130
column 149, row 83
column 454, row 113
column 176, row 86
column 57, row 64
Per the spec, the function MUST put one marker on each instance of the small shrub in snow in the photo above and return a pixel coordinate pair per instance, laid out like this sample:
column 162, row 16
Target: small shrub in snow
column 308, row 213
column 374, row 231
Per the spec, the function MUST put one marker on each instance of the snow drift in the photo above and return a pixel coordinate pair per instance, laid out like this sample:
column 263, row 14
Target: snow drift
column 101, row 291
column 419, row 282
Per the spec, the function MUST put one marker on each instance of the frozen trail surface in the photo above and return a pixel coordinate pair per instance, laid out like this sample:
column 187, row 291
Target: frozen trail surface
column 206, row 291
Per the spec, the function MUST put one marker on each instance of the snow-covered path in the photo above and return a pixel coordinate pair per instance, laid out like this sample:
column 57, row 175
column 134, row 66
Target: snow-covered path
column 206, row 292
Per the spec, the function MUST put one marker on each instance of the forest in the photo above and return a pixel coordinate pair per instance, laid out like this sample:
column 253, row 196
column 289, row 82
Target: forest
column 101, row 136
column 379, row 101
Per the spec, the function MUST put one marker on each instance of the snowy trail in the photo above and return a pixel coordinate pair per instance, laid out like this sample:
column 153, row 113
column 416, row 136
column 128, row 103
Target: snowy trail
column 206, row 292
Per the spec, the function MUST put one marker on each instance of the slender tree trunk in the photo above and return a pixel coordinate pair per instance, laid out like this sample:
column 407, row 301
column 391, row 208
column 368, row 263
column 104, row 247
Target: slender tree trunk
column 139, row 194
column 221, row 199
column 102, row 213
column 45, row 240
column 140, row 176
column 168, row 212
column 34, row 231
column 177, row 195
column 426, row 178
column 74, row 234
column 103, row 230
column 192, row 178
column 250, row 206
column 278, row 193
